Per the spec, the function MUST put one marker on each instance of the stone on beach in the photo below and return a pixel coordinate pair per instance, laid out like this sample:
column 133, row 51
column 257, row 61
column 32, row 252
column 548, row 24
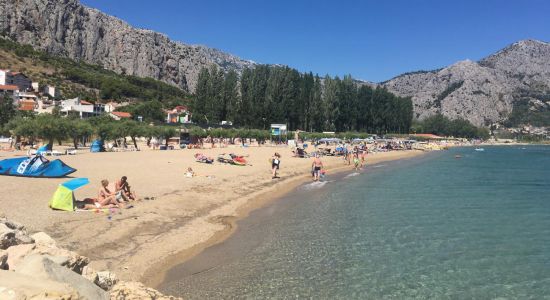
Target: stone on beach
column 136, row 291
column 3, row 260
column 43, row 268
column 106, row 280
column 41, row 238
column 20, row 286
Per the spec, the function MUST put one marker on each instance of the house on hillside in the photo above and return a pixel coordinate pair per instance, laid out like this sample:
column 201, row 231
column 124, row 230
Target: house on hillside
column 180, row 114
column 27, row 105
column 83, row 108
column 119, row 115
column 18, row 79
column 50, row 90
column 10, row 90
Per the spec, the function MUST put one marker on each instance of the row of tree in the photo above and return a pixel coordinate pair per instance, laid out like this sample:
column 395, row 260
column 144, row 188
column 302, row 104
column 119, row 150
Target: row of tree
column 276, row 94
column 53, row 128
column 443, row 126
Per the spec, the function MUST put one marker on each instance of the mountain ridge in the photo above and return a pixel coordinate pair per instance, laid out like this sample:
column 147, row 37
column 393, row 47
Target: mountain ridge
column 483, row 92
column 82, row 33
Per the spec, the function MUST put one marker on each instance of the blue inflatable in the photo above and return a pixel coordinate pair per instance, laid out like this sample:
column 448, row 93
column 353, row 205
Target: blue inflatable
column 36, row 166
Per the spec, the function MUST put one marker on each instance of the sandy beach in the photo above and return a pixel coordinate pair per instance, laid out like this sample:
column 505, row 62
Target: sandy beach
column 186, row 215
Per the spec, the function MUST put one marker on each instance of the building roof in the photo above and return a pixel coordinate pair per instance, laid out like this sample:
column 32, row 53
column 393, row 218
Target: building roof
column 27, row 105
column 84, row 102
column 8, row 87
column 121, row 114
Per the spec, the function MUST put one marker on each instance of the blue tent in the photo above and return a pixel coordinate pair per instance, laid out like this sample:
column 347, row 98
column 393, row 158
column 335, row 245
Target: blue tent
column 97, row 146
column 36, row 166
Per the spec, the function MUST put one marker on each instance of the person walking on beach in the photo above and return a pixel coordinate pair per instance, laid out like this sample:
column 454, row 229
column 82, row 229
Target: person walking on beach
column 317, row 166
column 275, row 163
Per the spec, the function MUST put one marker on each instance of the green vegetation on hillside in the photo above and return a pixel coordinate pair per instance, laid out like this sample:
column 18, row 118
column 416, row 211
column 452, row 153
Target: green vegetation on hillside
column 523, row 114
column 443, row 126
column 98, row 83
column 275, row 94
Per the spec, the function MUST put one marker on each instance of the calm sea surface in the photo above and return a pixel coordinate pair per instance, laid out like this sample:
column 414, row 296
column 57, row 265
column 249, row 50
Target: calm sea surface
column 438, row 227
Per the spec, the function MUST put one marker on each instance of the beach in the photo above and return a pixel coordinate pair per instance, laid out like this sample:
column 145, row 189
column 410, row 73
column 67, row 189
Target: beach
column 185, row 216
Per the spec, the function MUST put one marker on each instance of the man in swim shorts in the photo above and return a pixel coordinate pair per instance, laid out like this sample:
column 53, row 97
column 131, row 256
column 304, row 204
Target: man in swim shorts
column 317, row 166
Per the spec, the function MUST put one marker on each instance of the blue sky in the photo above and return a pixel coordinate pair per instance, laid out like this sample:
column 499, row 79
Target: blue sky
column 371, row 40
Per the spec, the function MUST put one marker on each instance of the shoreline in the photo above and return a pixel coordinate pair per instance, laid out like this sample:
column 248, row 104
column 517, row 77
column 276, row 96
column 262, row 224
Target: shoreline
column 187, row 215
column 155, row 275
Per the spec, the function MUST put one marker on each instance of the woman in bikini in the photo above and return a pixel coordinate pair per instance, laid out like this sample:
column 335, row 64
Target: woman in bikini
column 105, row 197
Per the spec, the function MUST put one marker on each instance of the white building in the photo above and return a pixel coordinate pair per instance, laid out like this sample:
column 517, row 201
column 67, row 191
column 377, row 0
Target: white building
column 83, row 108
column 4, row 77
column 50, row 90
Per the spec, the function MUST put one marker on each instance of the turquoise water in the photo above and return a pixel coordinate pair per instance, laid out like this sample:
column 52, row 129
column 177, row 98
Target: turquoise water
column 438, row 227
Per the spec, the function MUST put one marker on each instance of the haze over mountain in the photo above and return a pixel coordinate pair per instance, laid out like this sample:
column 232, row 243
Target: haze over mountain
column 482, row 92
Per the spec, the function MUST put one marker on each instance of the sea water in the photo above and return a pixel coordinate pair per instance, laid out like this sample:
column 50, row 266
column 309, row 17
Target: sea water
column 439, row 227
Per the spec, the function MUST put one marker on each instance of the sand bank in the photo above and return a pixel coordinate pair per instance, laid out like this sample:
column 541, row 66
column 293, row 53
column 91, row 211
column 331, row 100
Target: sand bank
column 187, row 214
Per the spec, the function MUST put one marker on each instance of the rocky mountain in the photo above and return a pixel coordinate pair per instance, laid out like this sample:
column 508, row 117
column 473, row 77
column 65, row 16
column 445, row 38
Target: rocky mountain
column 68, row 28
column 482, row 92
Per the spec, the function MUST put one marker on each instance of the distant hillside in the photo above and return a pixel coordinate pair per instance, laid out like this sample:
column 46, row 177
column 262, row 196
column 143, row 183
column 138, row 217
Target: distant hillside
column 514, row 82
column 80, row 79
column 67, row 28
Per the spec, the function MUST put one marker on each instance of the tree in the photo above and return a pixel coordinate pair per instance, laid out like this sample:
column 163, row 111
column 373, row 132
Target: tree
column 7, row 110
column 79, row 130
column 167, row 132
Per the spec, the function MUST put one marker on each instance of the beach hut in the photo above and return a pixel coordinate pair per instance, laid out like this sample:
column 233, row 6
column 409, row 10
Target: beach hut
column 63, row 198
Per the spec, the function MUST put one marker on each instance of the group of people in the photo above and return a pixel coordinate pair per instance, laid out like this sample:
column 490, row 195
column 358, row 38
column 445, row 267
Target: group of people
column 122, row 193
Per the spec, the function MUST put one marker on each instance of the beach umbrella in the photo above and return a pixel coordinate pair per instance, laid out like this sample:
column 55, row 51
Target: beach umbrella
column 63, row 198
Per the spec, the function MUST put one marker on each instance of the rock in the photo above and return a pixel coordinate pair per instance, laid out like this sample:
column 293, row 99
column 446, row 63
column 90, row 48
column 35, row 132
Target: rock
column 20, row 286
column 13, row 225
column 41, row 267
column 106, row 280
column 7, row 237
column 17, row 253
column 89, row 273
column 75, row 262
column 21, row 237
column 4, row 260
column 136, row 291
column 41, row 238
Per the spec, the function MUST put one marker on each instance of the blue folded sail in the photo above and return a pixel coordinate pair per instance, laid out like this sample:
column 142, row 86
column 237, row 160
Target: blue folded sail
column 36, row 166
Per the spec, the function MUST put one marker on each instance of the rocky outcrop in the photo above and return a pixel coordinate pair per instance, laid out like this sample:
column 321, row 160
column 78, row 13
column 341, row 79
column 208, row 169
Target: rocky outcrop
column 41, row 270
column 482, row 92
column 73, row 30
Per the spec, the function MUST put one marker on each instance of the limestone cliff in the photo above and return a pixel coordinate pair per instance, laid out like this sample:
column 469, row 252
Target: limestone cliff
column 67, row 28
column 483, row 92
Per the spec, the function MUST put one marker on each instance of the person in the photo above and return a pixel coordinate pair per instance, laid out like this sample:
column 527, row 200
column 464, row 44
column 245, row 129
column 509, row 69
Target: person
column 317, row 166
column 123, row 190
column 356, row 160
column 105, row 196
column 190, row 173
column 275, row 164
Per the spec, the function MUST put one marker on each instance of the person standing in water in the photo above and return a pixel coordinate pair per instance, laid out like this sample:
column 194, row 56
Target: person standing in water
column 317, row 166
column 275, row 163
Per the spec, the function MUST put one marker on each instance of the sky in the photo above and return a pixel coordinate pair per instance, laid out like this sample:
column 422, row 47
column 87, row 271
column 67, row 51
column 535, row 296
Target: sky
column 371, row 40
